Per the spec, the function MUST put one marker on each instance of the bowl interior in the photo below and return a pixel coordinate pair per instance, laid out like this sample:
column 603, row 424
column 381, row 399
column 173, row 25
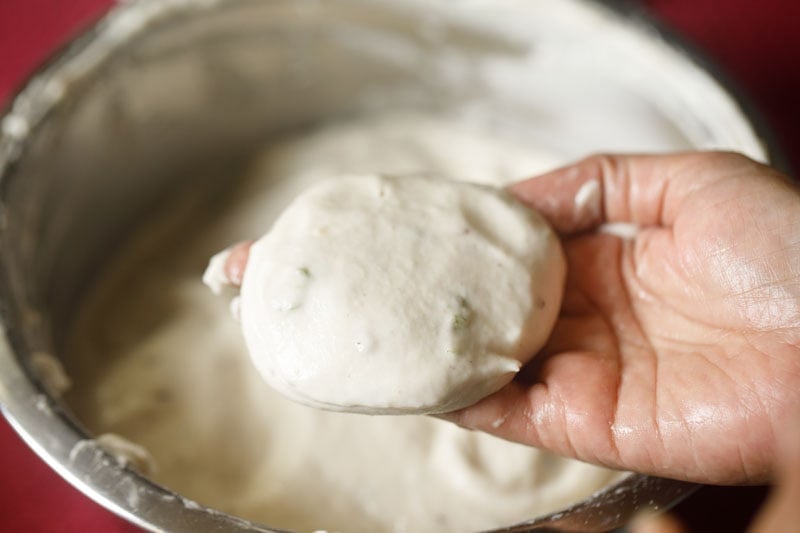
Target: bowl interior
column 164, row 96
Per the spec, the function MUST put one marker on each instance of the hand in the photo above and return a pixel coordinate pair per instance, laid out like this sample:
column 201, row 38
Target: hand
column 780, row 513
column 676, row 351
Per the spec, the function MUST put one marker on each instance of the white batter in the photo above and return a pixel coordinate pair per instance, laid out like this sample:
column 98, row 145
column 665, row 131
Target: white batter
column 413, row 294
column 155, row 358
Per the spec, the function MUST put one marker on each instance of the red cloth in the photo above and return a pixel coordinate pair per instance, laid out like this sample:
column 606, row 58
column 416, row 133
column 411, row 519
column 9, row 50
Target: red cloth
column 756, row 41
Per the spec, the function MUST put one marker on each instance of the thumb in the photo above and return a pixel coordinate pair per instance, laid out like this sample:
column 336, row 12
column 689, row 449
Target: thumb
column 645, row 190
column 236, row 262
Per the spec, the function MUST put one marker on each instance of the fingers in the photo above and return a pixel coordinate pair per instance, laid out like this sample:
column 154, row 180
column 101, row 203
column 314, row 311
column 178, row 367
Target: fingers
column 646, row 190
column 569, row 410
column 657, row 523
column 782, row 513
column 237, row 262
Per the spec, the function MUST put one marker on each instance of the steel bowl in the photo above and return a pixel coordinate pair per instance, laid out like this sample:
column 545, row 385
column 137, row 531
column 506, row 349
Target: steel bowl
column 157, row 90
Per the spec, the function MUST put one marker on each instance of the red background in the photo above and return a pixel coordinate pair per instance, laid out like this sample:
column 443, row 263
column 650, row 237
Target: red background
column 757, row 42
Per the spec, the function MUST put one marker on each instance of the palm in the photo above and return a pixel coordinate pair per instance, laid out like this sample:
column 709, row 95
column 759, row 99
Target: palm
column 674, row 352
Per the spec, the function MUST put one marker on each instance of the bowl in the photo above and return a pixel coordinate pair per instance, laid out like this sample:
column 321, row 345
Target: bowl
column 162, row 95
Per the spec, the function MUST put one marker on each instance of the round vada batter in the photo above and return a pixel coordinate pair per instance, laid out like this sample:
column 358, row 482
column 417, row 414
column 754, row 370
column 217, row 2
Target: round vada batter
column 156, row 358
column 384, row 294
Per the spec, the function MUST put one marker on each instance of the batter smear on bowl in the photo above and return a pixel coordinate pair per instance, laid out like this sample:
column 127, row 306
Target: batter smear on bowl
column 156, row 358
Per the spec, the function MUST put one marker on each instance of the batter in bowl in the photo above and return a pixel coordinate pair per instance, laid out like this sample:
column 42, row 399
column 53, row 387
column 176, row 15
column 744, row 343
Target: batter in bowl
column 156, row 358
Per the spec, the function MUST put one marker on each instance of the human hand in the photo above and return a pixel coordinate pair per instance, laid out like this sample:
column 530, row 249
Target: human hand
column 677, row 351
column 780, row 513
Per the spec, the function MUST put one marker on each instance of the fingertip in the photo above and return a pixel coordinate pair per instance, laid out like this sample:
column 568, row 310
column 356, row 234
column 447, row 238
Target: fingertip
column 497, row 414
column 237, row 262
column 656, row 523
column 569, row 198
column 454, row 417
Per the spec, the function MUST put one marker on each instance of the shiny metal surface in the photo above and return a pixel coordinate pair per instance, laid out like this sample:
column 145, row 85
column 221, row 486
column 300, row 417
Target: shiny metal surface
column 161, row 93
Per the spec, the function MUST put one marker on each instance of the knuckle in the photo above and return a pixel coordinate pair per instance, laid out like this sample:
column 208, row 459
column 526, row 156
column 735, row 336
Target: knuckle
column 608, row 166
